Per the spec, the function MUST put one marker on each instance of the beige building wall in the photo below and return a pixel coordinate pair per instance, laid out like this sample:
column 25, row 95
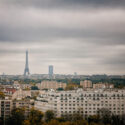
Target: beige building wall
column 19, row 94
column 52, row 85
column 98, row 86
column 84, row 102
column 5, row 108
column 103, row 86
column 86, row 84
column 22, row 104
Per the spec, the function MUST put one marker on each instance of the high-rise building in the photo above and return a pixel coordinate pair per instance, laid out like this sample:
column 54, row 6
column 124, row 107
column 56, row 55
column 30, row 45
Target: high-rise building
column 50, row 71
column 26, row 70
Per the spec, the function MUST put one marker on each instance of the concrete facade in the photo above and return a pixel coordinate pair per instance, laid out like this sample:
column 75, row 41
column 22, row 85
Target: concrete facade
column 83, row 102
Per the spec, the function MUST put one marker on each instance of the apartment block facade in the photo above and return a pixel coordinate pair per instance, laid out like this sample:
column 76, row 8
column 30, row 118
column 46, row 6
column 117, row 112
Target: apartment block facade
column 83, row 102
column 5, row 108
column 86, row 84
column 52, row 85
column 103, row 86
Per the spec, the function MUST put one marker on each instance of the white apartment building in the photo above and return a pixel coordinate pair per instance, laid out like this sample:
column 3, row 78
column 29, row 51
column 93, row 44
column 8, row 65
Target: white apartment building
column 52, row 85
column 22, row 104
column 19, row 94
column 5, row 108
column 103, row 86
column 79, row 101
column 7, row 105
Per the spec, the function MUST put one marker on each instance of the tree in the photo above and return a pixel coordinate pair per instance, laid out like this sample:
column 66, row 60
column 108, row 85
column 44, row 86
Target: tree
column 105, row 115
column 34, row 88
column 53, row 122
column 1, row 121
column 60, row 119
column 17, row 117
column 94, row 118
column 93, row 123
column 35, row 117
column 71, row 86
column 118, row 120
column 60, row 89
column 49, row 115
column 80, row 122
column 65, row 123
column 73, row 117
column 77, row 117
column 2, row 95
column 26, row 122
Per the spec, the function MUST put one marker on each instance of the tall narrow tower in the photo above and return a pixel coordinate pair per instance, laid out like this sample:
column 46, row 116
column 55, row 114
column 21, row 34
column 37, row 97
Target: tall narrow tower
column 26, row 70
column 50, row 71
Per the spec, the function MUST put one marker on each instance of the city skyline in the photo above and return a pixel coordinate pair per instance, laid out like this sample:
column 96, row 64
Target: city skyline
column 50, row 70
column 73, row 36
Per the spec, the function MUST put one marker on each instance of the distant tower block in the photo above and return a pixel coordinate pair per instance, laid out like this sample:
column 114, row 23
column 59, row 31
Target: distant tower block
column 26, row 70
column 50, row 71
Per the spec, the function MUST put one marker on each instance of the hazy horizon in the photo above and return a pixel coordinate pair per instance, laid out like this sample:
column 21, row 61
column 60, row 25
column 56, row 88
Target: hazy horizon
column 83, row 36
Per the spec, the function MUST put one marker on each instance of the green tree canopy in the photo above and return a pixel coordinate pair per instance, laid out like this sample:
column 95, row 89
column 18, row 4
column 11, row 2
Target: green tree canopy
column 35, row 117
column 17, row 117
column 49, row 115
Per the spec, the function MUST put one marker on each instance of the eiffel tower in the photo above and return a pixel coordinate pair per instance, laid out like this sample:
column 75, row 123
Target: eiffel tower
column 26, row 70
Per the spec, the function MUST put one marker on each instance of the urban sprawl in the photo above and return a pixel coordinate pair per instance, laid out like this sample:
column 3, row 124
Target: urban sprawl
column 64, row 95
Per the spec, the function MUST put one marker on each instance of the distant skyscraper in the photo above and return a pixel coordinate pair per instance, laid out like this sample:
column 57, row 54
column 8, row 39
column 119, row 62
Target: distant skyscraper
column 26, row 70
column 50, row 71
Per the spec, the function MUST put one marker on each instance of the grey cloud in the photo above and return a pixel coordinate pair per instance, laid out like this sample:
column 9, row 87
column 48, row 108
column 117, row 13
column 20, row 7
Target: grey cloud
column 73, row 35
column 21, row 24
column 117, row 59
column 67, row 3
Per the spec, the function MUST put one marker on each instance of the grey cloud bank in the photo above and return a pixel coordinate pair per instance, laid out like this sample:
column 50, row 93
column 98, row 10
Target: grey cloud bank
column 86, row 36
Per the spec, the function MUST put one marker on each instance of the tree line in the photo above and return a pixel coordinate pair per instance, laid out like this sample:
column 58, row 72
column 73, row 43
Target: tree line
column 35, row 117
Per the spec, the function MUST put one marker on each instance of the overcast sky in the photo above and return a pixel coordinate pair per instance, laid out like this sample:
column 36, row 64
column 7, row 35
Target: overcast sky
column 83, row 36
